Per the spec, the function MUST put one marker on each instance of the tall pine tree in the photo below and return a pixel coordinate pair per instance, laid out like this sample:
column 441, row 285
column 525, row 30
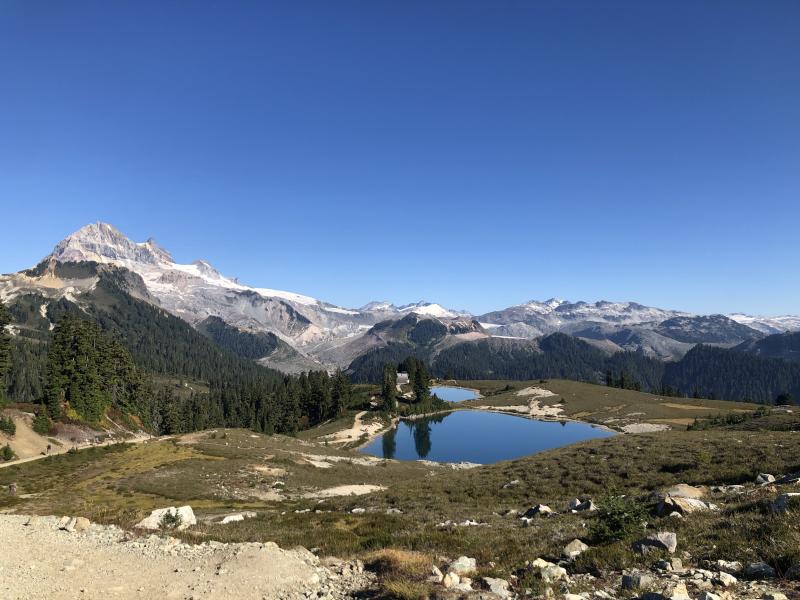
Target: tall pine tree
column 5, row 351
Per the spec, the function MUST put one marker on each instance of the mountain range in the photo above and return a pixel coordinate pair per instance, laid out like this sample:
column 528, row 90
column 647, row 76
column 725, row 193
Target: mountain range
column 293, row 332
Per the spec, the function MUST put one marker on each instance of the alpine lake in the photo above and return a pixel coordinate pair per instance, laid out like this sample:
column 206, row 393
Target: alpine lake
column 475, row 436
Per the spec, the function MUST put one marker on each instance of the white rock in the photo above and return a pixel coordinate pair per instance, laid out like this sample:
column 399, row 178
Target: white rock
column 574, row 548
column 497, row 586
column 462, row 565
column 450, row 579
column 548, row 571
column 153, row 522
column 725, row 579
column 234, row 518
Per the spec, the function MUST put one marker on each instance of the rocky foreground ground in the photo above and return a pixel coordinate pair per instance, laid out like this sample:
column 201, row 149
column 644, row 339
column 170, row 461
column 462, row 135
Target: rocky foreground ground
column 40, row 560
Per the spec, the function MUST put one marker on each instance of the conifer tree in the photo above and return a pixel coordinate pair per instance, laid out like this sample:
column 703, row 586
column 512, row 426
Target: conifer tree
column 389, row 388
column 5, row 350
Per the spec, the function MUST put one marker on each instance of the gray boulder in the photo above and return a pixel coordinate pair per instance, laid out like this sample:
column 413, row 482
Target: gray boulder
column 664, row 540
column 759, row 570
column 637, row 580
column 786, row 501
column 497, row 586
column 574, row 548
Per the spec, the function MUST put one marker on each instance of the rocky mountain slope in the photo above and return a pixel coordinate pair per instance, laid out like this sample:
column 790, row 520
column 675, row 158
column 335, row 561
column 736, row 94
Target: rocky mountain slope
column 311, row 333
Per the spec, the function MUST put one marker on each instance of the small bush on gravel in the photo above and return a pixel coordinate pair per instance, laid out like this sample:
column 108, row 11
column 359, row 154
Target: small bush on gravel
column 170, row 521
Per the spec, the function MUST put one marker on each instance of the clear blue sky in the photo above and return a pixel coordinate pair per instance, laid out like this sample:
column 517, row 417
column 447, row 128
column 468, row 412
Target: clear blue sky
column 478, row 154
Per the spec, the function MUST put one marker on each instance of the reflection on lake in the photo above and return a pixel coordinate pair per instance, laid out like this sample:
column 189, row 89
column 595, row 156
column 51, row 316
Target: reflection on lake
column 453, row 394
column 477, row 436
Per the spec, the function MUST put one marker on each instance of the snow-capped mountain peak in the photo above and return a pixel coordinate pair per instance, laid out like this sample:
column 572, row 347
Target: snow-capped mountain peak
column 431, row 309
column 103, row 243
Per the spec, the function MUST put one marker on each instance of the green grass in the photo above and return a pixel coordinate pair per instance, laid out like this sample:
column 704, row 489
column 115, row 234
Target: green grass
column 216, row 472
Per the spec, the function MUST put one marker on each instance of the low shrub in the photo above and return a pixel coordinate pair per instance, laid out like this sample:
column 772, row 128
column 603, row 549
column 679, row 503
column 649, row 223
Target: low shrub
column 618, row 517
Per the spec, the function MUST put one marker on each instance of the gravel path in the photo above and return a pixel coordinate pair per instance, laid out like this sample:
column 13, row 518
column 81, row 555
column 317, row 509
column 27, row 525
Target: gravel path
column 39, row 561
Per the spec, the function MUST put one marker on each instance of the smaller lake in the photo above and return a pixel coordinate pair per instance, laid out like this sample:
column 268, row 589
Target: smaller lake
column 453, row 394
column 478, row 437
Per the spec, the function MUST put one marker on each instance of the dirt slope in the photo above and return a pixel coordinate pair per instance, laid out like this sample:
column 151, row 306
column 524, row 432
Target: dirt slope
column 106, row 563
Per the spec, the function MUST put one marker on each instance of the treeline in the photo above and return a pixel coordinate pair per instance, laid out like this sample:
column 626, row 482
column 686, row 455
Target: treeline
column 241, row 343
column 705, row 371
column 295, row 404
column 117, row 352
column 709, row 372
column 88, row 372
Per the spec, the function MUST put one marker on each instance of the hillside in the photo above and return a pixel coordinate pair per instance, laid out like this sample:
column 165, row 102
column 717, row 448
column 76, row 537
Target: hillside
column 785, row 346
column 418, row 512
column 309, row 333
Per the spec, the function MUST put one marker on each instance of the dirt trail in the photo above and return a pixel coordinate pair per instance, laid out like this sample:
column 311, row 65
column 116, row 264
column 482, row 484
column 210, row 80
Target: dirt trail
column 30, row 446
column 106, row 563
column 357, row 431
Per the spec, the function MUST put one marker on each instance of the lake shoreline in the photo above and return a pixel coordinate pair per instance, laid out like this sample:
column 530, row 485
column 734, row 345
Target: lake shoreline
column 501, row 440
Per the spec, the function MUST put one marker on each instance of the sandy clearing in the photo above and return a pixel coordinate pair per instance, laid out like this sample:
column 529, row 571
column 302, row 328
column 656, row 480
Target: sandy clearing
column 345, row 490
column 644, row 427
column 323, row 461
column 536, row 392
column 534, row 409
column 358, row 430
column 104, row 563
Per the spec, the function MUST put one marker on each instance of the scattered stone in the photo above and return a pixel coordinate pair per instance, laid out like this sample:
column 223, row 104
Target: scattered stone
column 684, row 506
column 683, row 490
column 513, row 483
column 765, row 478
column 786, row 501
column 725, row 579
column 708, row 596
column 637, row 580
column 759, row 570
column 729, row 566
column 774, row 596
column 153, row 522
column 548, row 571
column 436, row 575
column 664, row 540
column 450, row 580
column 497, row 586
column 358, row 511
column 540, row 510
column 574, row 548
column 462, row 565
column 577, row 505
column 82, row 524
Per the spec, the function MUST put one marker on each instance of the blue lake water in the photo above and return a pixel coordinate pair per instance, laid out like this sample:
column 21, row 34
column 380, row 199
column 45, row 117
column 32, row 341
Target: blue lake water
column 453, row 394
column 477, row 436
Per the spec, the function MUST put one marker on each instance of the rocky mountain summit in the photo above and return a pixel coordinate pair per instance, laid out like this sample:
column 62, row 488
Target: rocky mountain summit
column 318, row 333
